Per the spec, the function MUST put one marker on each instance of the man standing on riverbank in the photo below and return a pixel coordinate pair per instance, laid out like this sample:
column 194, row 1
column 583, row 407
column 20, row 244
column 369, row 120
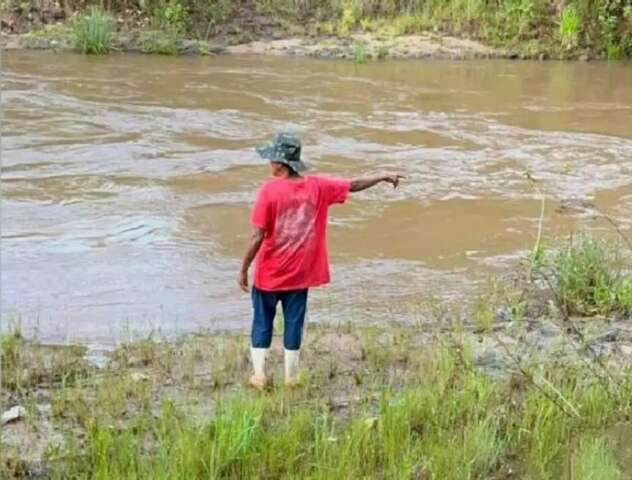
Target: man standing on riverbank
column 289, row 243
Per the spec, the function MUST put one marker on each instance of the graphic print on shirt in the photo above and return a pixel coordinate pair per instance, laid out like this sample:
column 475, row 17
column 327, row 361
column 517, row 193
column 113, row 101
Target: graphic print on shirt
column 295, row 227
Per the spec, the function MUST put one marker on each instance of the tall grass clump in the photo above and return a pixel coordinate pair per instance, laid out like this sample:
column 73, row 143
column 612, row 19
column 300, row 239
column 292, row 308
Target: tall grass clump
column 591, row 277
column 570, row 24
column 10, row 353
column 93, row 31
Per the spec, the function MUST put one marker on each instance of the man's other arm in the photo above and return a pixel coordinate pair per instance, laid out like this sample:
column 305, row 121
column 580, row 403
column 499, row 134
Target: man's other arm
column 253, row 247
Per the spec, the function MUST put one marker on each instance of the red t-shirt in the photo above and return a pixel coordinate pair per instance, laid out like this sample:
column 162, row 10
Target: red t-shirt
column 293, row 214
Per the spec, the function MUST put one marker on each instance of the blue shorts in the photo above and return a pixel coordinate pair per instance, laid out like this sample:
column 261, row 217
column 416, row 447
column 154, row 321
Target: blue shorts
column 264, row 304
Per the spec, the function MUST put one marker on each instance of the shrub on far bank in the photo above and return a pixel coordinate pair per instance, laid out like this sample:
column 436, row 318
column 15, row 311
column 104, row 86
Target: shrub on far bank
column 93, row 31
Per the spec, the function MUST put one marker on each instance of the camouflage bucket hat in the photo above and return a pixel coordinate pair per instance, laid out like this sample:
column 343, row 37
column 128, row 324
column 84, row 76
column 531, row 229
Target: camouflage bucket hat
column 284, row 148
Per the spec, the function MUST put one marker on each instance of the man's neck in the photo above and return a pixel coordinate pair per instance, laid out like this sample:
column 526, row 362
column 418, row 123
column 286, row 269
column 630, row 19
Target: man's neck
column 288, row 175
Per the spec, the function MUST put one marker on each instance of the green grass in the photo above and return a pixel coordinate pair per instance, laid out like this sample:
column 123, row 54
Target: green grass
column 592, row 277
column 170, row 15
column 360, row 53
column 570, row 25
column 483, row 314
column 416, row 413
column 25, row 365
column 594, row 461
column 162, row 42
column 454, row 424
column 409, row 23
column 93, row 31
column 624, row 293
column 530, row 27
column 382, row 52
column 60, row 35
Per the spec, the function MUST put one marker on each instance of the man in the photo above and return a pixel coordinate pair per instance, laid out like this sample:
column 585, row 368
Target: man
column 289, row 242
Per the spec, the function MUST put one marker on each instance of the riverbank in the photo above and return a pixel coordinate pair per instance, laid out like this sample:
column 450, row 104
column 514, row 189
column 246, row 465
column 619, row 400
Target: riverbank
column 530, row 380
column 398, row 402
column 356, row 30
column 360, row 47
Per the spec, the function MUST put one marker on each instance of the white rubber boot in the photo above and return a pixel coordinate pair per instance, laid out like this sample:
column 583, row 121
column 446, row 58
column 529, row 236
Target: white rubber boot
column 258, row 355
column 291, row 368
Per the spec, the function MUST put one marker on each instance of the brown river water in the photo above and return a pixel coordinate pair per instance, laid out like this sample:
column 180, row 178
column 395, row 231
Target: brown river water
column 127, row 180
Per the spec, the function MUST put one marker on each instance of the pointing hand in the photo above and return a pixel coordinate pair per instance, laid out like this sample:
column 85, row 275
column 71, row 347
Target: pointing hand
column 393, row 178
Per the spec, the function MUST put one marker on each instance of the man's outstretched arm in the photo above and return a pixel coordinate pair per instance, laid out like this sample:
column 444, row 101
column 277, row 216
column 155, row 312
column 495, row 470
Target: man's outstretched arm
column 249, row 256
column 362, row 183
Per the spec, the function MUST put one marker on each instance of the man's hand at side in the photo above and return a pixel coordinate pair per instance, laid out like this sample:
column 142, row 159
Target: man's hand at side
column 242, row 281
column 249, row 256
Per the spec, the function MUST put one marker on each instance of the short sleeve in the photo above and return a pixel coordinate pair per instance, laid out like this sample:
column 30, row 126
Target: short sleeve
column 334, row 190
column 261, row 216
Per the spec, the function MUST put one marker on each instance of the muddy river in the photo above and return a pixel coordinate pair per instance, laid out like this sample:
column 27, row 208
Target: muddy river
column 127, row 180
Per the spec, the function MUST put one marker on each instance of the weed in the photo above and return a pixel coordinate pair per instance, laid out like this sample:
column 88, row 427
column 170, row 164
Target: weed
column 382, row 52
column 624, row 294
column 170, row 15
column 588, row 277
column 203, row 48
column 368, row 24
column 163, row 42
column 61, row 35
column 483, row 314
column 614, row 51
column 408, row 23
column 93, row 31
column 348, row 19
column 327, row 28
column 537, row 257
column 26, row 365
column 570, row 24
column 594, row 460
column 360, row 53
column 70, row 403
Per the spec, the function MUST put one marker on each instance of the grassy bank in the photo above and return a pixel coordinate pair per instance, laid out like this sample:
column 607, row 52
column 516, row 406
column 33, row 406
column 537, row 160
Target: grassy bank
column 392, row 411
column 422, row 400
column 532, row 28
